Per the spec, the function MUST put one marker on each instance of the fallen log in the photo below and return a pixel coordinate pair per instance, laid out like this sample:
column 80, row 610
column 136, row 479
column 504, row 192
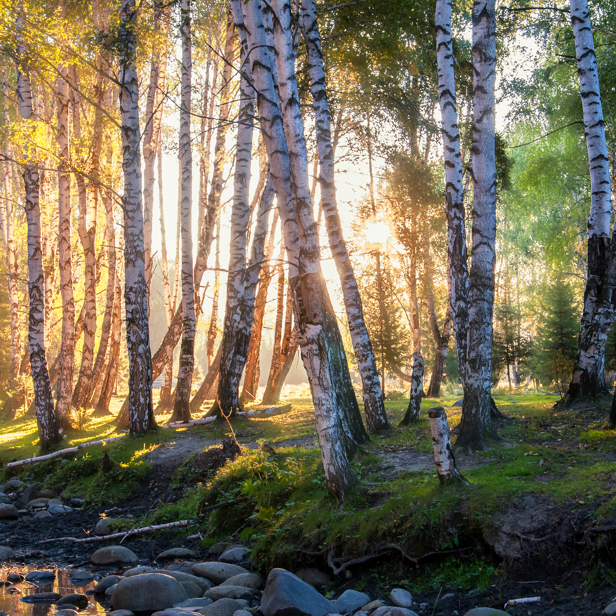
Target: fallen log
column 124, row 535
column 63, row 452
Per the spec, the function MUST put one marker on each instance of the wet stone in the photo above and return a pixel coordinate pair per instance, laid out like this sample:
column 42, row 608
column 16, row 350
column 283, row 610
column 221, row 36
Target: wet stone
column 8, row 512
column 41, row 577
column 6, row 553
column 41, row 597
column 80, row 601
column 113, row 555
column 401, row 597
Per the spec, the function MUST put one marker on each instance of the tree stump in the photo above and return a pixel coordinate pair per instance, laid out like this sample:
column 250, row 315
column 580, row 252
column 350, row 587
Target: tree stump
column 443, row 453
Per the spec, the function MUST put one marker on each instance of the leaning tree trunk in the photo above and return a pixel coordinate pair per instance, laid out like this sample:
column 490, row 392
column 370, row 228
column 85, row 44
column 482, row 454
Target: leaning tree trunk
column 476, row 423
column 140, row 412
column 67, row 348
column 322, row 350
column 181, row 406
column 599, row 304
column 374, row 409
column 48, row 427
column 458, row 259
column 276, row 363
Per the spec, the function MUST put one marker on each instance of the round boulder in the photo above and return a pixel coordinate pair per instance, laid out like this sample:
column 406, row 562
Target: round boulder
column 229, row 592
column 247, row 580
column 41, row 597
column 6, row 553
column 46, row 493
column 14, row 484
column 41, row 577
column 106, row 583
column 42, row 514
column 80, row 601
column 174, row 553
column 401, row 597
column 350, row 600
column 8, row 512
column 59, row 509
column 234, row 555
column 4, row 499
column 103, row 527
column 217, row 572
column 113, row 555
column 137, row 571
column 148, row 592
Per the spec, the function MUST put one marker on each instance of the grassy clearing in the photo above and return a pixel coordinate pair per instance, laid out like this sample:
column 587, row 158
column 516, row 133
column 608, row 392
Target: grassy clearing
column 279, row 501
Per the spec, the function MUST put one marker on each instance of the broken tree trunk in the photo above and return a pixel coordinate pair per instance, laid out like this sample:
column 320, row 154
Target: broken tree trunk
column 443, row 453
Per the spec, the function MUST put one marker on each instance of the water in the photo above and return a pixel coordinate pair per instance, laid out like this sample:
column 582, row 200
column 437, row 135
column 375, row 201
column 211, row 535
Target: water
column 11, row 604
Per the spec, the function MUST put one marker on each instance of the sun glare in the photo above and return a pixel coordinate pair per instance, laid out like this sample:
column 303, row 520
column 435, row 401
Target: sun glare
column 377, row 233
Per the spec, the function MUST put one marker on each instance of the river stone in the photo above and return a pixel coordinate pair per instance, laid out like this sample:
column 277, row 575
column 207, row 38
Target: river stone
column 4, row 499
column 30, row 492
column 229, row 592
column 312, row 576
column 46, row 493
column 42, row 514
column 203, row 583
column 174, row 611
column 183, row 566
column 113, row 555
column 247, row 580
column 66, row 612
column 6, row 553
column 350, row 600
column 59, row 509
column 42, row 597
column 109, row 592
column 234, row 555
column 176, row 553
column 217, row 572
column 137, row 571
column 401, row 597
column 14, row 483
column 121, row 613
column 286, row 594
column 8, row 512
column 373, row 605
column 610, row 609
column 193, row 591
column 242, row 613
column 223, row 607
column 55, row 501
column 68, row 606
column 148, row 592
column 106, row 583
column 15, row 578
column 485, row 611
column 388, row 610
column 41, row 577
column 79, row 576
column 77, row 502
column 80, row 601
column 38, row 503
column 103, row 527
column 217, row 549
column 194, row 604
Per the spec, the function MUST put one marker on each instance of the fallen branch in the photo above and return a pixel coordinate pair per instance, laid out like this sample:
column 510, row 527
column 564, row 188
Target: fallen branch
column 353, row 561
column 63, row 452
column 137, row 531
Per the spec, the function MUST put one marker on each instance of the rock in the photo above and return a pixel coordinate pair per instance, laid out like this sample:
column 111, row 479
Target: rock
column 242, row 613
column 59, row 509
column 79, row 577
column 148, row 592
column 14, row 483
column 388, row 610
column 247, row 580
column 6, row 553
column 485, row 611
column 68, row 606
column 459, row 402
column 350, row 600
column 217, row 549
column 183, row 566
column 41, row 577
column 77, row 502
column 8, row 512
column 121, row 613
column 30, row 492
column 103, row 527
column 15, row 578
column 194, row 604
column 55, row 501
column 401, row 597
column 41, row 597
column 217, row 572
column 176, row 553
column 174, row 611
column 137, row 571
column 80, row 601
column 42, row 514
column 193, row 591
column 285, row 593
column 46, row 493
column 203, row 583
column 373, row 605
column 109, row 592
column 234, row 555
column 314, row 577
column 610, row 609
column 229, row 592
column 4, row 499
column 106, row 583
column 66, row 612
column 223, row 607
column 113, row 555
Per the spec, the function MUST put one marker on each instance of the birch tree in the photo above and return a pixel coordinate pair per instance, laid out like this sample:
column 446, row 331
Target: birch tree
column 140, row 412
column 181, row 407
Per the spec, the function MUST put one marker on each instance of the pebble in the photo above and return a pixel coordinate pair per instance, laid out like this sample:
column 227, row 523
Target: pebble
column 401, row 597
column 42, row 514
column 59, row 509
column 485, row 611
column 8, row 512
column 113, row 555
column 41, row 577
column 106, row 583
column 6, row 553
column 610, row 609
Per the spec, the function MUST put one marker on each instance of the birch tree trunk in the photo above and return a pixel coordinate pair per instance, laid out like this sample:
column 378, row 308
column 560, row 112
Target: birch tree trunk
column 151, row 133
column 140, row 412
column 458, row 259
column 276, row 363
column 67, row 348
column 599, row 305
column 322, row 350
column 181, row 406
column 272, row 395
column 376, row 418
column 48, row 428
column 443, row 454
column 213, row 327
column 476, row 423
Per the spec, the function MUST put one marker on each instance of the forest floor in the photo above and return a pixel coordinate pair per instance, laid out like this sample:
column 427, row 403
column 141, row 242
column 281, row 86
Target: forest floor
column 537, row 520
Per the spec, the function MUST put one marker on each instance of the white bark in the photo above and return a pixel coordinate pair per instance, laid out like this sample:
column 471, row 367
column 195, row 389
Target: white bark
column 140, row 412
column 374, row 408
column 181, row 407
column 443, row 454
